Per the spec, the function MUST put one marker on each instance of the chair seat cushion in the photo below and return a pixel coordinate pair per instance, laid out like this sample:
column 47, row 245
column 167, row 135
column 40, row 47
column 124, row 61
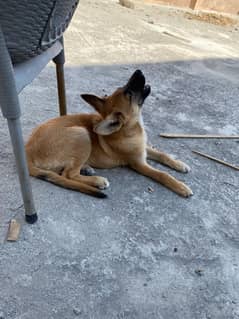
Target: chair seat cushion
column 31, row 27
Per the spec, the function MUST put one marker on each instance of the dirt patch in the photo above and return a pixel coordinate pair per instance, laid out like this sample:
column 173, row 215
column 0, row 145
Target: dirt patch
column 213, row 18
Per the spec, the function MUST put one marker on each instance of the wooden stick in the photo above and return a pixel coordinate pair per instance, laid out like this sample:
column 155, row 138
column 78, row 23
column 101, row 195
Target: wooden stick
column 13, row 231
column 178, row 135
column 217, row 160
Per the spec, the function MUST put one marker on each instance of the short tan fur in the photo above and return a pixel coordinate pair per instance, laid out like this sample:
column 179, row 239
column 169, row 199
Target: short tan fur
column 61, row 149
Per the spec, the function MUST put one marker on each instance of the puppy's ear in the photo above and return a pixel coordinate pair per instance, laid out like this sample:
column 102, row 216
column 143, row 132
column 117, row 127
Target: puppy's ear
column 108, row 126
column 95, row 101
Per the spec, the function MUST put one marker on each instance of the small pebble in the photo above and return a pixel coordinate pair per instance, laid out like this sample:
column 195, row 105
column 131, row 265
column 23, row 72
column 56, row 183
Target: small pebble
column 77, row 311
column 175, row 249
column 150, row 189
column 199, row 272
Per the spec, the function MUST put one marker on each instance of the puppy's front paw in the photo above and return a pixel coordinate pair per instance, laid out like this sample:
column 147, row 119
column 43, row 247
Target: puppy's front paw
column 182, row 167
column 184, row 190
column 102, row 182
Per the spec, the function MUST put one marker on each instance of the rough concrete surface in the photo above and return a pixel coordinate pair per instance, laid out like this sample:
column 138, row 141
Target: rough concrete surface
column 137, row 254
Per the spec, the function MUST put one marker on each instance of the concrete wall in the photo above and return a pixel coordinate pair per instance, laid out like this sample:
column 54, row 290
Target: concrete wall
column 226, row 6
column 179, row 3
column 229, row 6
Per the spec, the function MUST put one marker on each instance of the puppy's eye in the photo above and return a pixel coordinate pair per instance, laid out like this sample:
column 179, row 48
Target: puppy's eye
column 129, row 94
column 118, row 114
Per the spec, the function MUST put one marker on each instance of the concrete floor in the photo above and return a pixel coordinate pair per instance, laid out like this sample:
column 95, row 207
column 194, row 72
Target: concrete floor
column 136, row 254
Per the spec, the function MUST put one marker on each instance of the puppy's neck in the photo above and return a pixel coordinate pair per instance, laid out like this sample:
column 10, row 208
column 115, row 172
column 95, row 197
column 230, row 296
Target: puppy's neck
column 141, row 120
column 134, row 128
column 138, row 122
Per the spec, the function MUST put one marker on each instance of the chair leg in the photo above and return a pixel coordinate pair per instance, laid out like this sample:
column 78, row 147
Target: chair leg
column 61, row 88
column 59, row 61
column 10, row 107
column 15, row 130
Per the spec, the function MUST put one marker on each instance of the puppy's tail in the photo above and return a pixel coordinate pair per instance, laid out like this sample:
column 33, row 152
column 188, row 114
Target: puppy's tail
column 62, row 181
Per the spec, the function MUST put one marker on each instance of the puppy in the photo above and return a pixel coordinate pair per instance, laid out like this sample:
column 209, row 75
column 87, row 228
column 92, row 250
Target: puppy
column 62, row 148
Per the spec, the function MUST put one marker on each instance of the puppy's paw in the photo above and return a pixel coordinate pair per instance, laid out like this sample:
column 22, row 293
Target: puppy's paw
column 182, row 167
column 102, row 182
column 184, row 190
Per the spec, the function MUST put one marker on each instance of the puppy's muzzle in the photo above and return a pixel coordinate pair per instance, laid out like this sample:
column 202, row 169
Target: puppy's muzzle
column 136, row 86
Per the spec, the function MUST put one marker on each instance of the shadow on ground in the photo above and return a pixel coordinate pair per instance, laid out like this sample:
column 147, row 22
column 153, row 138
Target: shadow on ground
column 137, row 254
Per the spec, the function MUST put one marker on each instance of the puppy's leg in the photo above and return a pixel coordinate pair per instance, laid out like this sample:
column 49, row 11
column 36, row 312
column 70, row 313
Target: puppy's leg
column 78, row 152
column 162, row 178
column 167, row 160
column 96, row 181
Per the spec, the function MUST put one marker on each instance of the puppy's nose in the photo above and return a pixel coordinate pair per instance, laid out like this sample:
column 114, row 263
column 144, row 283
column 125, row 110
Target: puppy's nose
column 137, row 81
column 138, row 73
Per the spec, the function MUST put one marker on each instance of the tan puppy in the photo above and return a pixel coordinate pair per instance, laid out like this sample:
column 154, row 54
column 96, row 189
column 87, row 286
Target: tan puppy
column 60, row 149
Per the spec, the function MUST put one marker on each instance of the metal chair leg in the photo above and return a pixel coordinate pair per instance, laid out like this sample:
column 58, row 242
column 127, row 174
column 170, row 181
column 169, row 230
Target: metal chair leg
column 22, row 169
column 10, row 107
column 59, row 61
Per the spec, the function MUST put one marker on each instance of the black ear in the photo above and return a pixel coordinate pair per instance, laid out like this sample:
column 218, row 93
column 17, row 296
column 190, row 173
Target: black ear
column 95, row 101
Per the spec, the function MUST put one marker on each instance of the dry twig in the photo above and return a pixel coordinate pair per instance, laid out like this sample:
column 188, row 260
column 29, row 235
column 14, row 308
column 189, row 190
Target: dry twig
column 217, row 160
column 13, row 231
column 178, row 135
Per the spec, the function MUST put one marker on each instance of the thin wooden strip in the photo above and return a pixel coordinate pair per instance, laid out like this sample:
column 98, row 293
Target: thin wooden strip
column 217, row 160
column 13, row 231
column 178, row 135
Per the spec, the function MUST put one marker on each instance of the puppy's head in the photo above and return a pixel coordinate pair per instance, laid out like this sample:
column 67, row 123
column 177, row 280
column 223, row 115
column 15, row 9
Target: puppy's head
column 122, row 107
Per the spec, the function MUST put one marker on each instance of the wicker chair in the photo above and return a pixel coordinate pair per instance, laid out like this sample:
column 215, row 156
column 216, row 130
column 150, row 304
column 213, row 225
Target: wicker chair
column 31, row 35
